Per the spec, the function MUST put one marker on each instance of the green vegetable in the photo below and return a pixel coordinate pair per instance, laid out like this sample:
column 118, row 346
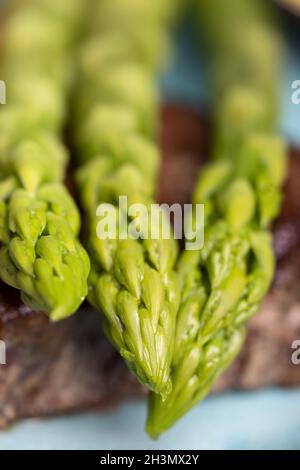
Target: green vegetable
column 223, row 284
column 193, row 379
column 132, row 281
column 39, row 223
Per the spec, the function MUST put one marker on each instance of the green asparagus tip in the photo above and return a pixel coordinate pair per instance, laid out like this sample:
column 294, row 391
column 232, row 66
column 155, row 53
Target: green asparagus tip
column 163, row 391
column 59, row 313
column 154, row 425
column 166, row 392
column 152, row 432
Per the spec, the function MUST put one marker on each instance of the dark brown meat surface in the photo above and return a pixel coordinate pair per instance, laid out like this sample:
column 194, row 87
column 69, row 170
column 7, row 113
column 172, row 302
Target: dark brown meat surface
column 69, row 366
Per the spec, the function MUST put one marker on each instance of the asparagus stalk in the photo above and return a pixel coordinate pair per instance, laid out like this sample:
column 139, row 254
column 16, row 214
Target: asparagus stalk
column 223, row 284
column 39, row 223
column 132, row 282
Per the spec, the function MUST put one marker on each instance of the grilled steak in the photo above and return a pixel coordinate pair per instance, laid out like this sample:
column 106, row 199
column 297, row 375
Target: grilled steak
column 68, row 366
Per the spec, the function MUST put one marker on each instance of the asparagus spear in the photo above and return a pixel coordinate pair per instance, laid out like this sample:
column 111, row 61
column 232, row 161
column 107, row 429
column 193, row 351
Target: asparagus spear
column 193, row 379
column 223, row 284
column 39, row 223
column 132, row 281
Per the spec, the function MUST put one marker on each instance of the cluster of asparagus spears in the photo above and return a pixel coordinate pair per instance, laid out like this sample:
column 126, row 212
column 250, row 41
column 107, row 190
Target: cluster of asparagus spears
column 39, row 223
column 132, row 282
column 223, row 284
column 178, row 323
